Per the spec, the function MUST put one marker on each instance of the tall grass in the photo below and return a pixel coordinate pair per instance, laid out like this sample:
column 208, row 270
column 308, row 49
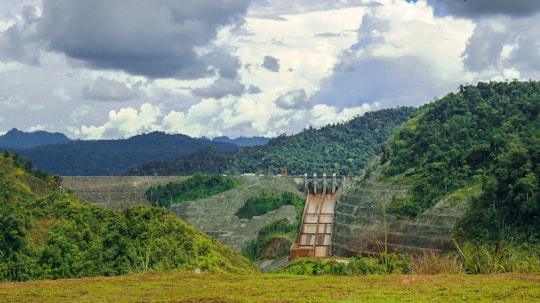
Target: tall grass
column 495, row 258
column 431, row 263
column 501, row 257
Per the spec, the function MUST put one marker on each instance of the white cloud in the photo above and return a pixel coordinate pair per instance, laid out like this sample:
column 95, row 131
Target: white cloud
column 323, row 114
column 126, row 122
column 404, row 56
column 327, row 61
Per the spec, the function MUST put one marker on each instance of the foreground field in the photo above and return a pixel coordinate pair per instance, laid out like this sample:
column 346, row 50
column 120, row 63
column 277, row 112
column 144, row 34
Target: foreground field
column 178, row 287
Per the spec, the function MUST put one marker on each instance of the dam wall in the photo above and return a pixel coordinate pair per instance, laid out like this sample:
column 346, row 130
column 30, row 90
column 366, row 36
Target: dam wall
column 355, row 216
column 214, row 215
column 114, row 192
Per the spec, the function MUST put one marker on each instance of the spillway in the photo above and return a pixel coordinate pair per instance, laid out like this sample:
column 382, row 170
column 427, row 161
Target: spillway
column 316, row 227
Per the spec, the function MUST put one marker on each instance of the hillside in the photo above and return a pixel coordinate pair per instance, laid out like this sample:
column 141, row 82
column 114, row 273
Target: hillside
column 465, row 166
column 19, row 139
column 112, row 157
column 48, row 234
column 486, row 136
column 342, row 148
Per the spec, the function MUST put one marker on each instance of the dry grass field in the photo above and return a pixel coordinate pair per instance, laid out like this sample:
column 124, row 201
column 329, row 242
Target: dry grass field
column 192, row 287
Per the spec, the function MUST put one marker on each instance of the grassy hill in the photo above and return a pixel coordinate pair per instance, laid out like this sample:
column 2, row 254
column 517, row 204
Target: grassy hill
column 46, row 233
column 342, row 148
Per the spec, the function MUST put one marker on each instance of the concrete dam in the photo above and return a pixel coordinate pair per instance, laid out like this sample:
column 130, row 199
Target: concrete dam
column 342, row 216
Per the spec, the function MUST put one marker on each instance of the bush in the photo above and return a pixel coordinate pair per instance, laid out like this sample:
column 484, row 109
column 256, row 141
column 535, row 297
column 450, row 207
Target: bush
column 358, row 265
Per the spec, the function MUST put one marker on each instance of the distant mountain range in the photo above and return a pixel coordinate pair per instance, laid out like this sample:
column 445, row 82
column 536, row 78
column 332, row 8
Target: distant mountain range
column 19, row 139
column 342, row 148
column 56, row 154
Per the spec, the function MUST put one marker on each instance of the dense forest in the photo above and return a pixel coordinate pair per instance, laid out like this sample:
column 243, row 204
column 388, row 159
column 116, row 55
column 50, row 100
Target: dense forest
column 196, row 187
column 46, row 233
column 483, row 139
column 112, row 157
column 342, row 148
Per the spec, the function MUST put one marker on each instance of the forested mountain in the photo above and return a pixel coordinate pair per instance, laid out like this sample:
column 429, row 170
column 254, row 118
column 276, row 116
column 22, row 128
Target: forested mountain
column 243, row 141
column 483, row 139
column 112, row 157
column 19, row 139
column 342, row 148
column 48, row 234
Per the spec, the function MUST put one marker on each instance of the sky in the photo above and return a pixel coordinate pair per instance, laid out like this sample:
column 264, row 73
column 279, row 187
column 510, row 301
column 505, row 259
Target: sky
column 110, row 69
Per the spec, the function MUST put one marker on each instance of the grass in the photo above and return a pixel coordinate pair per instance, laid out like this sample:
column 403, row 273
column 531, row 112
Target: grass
column 192, row 287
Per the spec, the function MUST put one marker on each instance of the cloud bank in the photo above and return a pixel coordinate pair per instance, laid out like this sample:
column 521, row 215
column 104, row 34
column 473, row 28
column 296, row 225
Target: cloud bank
column 111, row 69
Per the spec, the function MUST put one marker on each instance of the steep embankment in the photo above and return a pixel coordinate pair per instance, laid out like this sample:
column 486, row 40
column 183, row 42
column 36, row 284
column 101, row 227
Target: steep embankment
column 114, row 192
column 216, row 215
column 363, row 223
column 467, row 165
column 48, row 234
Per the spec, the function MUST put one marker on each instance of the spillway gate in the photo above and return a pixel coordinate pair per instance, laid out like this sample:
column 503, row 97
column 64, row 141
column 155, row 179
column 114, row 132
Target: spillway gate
column 316, row 228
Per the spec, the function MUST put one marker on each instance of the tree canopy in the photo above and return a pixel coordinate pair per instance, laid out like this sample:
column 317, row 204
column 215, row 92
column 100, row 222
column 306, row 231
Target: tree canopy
column 46, row 233
column 342, row 148
column 196, row 187
column 487, row 136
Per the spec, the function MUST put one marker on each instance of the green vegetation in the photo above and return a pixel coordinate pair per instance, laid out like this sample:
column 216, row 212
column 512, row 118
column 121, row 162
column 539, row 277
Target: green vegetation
column 359, row 265
column 275, row 239
column 112, row 157
column 28, row 167
column 501, row 257
column 191, row 287
column 485, row 136
column 265, row 202
column 47, row 234
column 473, row 258
column 198, row 186
column 342, row 148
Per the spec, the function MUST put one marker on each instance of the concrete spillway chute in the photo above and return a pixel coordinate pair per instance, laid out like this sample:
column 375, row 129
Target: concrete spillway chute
column 316, row 227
